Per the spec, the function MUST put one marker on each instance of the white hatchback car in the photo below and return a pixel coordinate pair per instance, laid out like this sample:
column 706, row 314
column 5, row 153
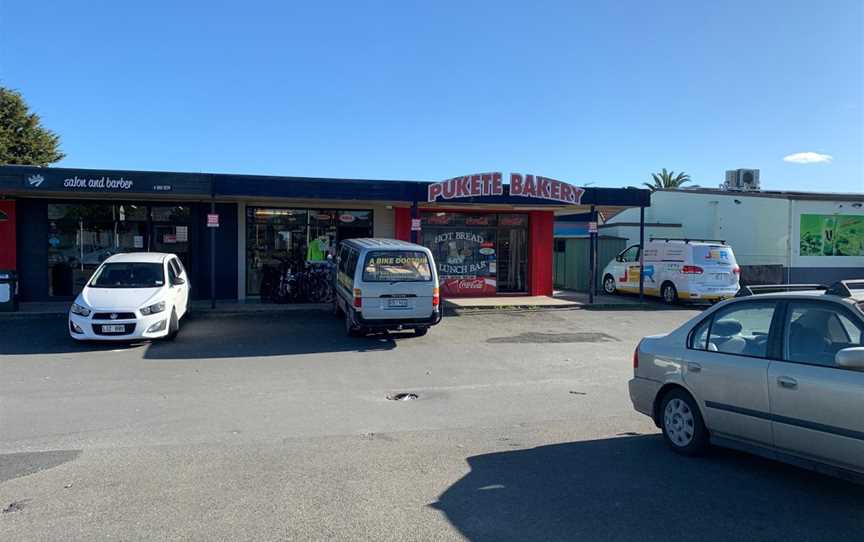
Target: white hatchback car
column 139, row 295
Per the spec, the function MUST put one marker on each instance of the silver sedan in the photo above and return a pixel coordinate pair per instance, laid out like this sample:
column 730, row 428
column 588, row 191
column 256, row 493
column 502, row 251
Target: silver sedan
column 776, row 374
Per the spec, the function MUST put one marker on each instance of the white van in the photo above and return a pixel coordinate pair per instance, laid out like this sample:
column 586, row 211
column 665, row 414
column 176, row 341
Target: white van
column 677, row 269
column 386, row 284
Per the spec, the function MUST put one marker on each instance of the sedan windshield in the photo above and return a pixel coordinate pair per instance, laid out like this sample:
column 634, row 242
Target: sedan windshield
column 129, row 275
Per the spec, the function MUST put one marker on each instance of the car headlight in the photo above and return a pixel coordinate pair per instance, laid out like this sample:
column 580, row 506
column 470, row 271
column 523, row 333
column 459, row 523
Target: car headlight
column 153, row 309
column 79, row 310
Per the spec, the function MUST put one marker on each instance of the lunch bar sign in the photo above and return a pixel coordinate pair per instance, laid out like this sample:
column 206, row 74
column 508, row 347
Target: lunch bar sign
column 491, row 184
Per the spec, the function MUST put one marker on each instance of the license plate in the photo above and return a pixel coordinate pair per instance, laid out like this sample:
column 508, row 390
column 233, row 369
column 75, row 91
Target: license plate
column 114, row 329
column 397, row 303
column 721, row 276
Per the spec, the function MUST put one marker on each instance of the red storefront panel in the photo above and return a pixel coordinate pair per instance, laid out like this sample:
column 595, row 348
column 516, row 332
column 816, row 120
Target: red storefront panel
column 540, row 247
column 402, row 223
column 8, row 247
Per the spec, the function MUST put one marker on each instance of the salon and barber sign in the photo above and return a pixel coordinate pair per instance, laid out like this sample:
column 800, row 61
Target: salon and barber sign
column 492, row 184
column 92, row 181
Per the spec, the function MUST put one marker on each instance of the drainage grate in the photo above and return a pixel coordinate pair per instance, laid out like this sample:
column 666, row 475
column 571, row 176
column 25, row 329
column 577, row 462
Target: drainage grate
column 402, row 396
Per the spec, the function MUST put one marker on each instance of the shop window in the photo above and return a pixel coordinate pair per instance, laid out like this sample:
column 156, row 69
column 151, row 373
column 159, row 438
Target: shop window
column 478, row 253
column 278, row 240
column 83, row 235
column 170, row 230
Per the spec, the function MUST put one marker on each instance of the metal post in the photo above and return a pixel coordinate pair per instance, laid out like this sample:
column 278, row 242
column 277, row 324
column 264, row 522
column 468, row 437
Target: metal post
column 641, row 254
column 592, row 259
column 212, row 259
column 414, row 215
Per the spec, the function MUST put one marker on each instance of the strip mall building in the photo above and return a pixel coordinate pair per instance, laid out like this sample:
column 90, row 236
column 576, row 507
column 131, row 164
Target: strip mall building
column 489, row 237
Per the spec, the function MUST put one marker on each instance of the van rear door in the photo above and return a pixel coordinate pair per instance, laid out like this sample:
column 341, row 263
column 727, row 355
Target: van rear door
column 396, row 284
column 718, row 265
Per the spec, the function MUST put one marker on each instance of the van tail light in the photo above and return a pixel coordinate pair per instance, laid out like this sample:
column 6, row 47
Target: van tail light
column 736, row 270
column 358, row 298
column 436, row 297
column 636, row 357
column 691, row 270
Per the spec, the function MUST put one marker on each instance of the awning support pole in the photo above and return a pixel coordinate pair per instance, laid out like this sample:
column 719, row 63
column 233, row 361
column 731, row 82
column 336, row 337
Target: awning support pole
column 592, row 258
column 641, row 254
column 212, row 257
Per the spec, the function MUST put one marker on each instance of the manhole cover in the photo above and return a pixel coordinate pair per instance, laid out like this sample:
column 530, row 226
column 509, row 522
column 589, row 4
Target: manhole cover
column 402, row 396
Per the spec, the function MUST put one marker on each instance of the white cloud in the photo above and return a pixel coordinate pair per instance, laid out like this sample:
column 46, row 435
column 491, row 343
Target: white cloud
column 808, row 158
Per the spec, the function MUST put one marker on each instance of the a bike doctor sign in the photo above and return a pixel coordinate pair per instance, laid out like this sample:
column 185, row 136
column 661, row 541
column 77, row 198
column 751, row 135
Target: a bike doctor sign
column 492, row 184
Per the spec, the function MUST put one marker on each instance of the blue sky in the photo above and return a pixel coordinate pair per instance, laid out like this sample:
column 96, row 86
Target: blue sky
column 588, row 92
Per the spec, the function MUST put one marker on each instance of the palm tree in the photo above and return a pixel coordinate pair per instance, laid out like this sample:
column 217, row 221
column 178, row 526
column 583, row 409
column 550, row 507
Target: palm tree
column 668, row 179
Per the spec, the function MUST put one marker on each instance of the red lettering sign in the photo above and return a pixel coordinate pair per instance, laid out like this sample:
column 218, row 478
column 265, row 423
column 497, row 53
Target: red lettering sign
column 491, row 184
column 468, row 186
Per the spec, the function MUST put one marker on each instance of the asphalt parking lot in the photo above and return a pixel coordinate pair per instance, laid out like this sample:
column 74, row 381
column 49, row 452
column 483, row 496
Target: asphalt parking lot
column 278, row 427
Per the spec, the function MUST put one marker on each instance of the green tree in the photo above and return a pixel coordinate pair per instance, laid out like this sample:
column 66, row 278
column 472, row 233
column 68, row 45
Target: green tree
column 667, row 179
column 23, row 139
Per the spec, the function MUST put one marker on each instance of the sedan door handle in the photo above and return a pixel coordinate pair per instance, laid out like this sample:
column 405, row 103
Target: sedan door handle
column 787, row 382
column 694, row 367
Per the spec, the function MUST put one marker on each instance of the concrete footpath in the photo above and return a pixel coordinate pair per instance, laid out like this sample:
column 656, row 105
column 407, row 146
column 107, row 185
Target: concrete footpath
column 561, row 299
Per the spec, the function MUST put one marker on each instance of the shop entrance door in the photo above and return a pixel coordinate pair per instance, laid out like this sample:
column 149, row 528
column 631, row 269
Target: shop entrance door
column 512, row 262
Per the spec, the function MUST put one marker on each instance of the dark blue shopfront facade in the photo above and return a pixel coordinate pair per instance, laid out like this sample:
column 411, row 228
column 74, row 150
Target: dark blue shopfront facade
column 66, row 221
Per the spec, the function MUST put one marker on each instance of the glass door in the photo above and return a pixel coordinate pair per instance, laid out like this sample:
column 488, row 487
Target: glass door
column 512, row 252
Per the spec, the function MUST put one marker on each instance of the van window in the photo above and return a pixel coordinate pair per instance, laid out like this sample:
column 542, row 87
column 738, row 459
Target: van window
column 630, row 255
column 351, row 266
column 716, row 255
column 396, row 265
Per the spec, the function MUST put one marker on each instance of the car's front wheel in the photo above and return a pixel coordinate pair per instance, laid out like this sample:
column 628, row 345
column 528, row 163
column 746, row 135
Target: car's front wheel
column 681, row 421
column 609, row 284
column 173, row 326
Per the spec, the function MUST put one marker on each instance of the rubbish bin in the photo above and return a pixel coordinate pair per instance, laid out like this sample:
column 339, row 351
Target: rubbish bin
column 8, row 291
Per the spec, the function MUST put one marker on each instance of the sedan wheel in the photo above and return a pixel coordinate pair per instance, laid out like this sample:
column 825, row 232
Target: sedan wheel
column 679, row 423
column 683, row 428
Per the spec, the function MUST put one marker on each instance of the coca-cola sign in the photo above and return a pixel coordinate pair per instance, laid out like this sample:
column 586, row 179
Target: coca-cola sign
column 472, row 287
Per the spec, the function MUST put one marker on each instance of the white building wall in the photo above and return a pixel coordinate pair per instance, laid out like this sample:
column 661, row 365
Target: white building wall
column 384, row 221
column 757, row 228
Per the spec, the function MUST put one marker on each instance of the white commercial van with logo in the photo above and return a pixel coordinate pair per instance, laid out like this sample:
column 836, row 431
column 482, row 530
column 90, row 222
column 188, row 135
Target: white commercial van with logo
column 677, row 269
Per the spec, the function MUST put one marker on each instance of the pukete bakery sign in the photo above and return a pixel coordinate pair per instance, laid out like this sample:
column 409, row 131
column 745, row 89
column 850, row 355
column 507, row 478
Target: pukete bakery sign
column 492, row 184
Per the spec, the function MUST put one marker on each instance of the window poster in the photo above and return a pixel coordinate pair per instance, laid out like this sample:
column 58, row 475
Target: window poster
column 465, row 260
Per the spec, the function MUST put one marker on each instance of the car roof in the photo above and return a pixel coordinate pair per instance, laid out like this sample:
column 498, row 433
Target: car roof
column 138, row 257
column 389, row 244
column 857, row 296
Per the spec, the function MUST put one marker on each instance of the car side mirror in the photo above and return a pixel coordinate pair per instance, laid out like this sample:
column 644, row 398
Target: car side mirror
column 177, row 281
column 851, row 358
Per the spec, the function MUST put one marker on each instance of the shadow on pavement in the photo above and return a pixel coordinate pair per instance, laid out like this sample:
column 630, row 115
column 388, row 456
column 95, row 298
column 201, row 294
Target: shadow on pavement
column 48, row 335
column 24, row 463
column 227, row 336
column 264, row 335
column 633, row 488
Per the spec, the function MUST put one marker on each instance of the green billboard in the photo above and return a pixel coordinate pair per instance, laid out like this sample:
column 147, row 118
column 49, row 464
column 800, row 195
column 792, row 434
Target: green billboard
column 832, row 235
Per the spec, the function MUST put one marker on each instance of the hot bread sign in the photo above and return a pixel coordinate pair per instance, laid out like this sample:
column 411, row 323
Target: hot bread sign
column 491, row 184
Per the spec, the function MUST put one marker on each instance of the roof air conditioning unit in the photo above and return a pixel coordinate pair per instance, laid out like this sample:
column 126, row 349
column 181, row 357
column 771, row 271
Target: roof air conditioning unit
column 744, row 180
